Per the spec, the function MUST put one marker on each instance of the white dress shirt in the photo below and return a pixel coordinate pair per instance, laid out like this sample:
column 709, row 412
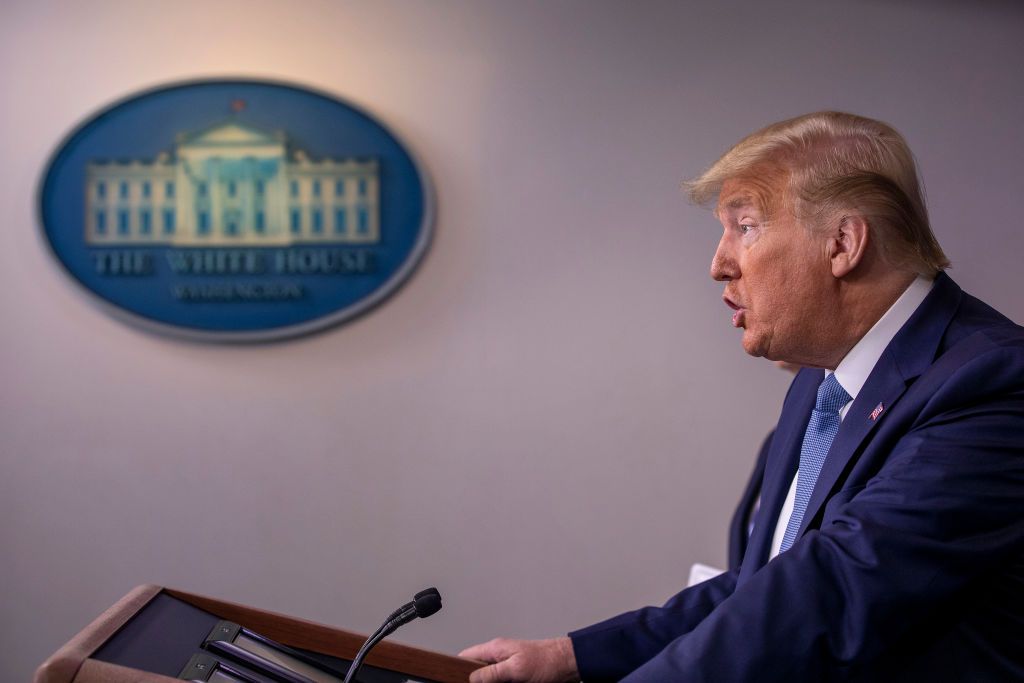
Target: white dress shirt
column 854, row 369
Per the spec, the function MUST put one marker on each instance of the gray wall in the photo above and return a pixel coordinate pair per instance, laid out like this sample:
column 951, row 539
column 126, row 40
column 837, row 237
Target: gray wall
column 552, row 420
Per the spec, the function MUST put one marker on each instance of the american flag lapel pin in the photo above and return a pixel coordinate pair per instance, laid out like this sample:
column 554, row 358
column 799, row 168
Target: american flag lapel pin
column 877, row 411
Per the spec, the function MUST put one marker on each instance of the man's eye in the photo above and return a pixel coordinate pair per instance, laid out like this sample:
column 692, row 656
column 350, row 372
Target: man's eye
column 745, row 228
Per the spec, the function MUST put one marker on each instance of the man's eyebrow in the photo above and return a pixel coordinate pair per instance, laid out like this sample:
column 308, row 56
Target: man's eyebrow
column 740, row 202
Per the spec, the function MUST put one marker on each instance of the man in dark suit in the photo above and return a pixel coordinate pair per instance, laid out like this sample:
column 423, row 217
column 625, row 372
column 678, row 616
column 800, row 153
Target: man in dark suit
column 889, row 544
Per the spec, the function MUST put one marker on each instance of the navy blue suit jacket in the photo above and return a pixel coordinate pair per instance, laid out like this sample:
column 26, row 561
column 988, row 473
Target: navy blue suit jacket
column 909, row 565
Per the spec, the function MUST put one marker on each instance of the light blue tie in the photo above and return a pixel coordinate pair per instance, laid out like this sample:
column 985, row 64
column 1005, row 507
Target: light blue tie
column 821, row 431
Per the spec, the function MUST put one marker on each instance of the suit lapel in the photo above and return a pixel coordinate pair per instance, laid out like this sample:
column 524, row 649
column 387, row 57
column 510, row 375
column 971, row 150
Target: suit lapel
column 884, row 387
column 910, row 353
column 781, row 465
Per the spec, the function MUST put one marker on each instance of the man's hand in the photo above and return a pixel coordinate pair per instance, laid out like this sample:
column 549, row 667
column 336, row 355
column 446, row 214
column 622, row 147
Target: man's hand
column 524, row 661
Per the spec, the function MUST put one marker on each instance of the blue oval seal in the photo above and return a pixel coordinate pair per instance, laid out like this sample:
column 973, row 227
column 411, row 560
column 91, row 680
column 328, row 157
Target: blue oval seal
column 235, row 210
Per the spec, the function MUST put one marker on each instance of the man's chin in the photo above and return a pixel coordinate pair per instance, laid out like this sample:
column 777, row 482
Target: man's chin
column 754, row 345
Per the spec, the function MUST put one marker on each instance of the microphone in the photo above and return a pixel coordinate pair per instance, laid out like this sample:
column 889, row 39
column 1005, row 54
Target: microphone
column 420, row 601
column 423, row 604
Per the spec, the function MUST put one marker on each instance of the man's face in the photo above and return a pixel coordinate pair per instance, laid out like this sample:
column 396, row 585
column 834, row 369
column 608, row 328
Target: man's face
column 777, row 273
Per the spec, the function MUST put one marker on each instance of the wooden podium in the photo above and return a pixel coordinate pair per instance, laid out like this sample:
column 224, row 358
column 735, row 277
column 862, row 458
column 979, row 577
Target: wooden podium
column 74, row 662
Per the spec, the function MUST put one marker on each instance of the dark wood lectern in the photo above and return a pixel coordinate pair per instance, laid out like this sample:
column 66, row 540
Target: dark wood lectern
column 75, row 661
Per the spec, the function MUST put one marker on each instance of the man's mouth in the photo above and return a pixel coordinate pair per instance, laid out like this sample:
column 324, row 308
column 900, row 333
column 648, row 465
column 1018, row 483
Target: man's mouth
column 738, row 315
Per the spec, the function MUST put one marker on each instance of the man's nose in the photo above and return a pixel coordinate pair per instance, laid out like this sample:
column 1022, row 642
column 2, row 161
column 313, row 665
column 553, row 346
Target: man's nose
column 723, row 265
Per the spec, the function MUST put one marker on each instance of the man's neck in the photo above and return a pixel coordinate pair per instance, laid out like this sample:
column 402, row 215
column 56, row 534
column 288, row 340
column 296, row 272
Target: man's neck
column 856, row 366
column 861, row 304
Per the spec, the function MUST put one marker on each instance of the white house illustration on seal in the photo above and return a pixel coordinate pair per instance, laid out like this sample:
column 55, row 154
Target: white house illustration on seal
column 232, row 185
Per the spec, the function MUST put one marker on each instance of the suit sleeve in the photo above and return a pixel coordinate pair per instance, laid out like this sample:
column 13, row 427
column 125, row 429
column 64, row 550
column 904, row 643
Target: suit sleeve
column 609, row 650
column 944, row 511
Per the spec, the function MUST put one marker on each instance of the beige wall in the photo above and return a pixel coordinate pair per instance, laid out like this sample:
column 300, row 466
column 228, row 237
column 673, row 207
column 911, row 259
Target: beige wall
column 552, row 420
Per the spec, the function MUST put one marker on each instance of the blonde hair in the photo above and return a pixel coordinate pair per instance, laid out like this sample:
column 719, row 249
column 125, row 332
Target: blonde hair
column 838, row 161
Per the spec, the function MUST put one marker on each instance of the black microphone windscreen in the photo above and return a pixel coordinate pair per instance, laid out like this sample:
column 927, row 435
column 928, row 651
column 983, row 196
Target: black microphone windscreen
column 427, row 603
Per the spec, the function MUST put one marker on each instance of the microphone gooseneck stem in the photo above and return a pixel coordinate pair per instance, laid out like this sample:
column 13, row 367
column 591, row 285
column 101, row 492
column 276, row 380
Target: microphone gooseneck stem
column 389, row 627
column 423, row 604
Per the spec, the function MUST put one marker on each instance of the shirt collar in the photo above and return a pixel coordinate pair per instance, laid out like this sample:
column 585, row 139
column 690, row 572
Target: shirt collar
column 854, row 369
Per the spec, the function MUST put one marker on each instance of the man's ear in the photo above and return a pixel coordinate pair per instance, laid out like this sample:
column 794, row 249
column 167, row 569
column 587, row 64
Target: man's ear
column 848, row 244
